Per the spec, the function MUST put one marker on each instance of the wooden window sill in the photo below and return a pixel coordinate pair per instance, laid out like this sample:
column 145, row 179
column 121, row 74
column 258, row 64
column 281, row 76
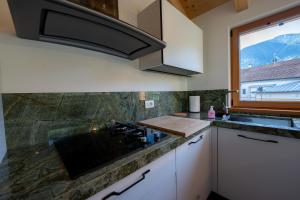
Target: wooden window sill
column 280, row 112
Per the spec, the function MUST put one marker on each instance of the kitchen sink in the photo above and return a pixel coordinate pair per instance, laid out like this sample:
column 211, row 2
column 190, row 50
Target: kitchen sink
column 282, row 122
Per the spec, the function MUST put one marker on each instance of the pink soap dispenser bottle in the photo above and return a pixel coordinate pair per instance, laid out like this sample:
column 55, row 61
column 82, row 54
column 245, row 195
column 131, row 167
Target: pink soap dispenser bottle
column 211, row 113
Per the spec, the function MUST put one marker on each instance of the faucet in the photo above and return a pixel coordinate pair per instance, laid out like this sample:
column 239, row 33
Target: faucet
column 226, row 103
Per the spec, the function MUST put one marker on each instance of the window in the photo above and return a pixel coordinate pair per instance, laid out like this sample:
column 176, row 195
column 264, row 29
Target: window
column 265, row 62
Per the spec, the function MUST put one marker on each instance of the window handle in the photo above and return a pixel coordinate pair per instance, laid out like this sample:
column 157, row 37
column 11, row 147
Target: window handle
column 250, row 138
column 114, row 193
column 233, row 91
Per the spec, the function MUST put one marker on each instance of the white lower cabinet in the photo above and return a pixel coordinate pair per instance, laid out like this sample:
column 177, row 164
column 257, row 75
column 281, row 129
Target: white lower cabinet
column 155, row 181
column 182, row 174
column 193, row 168
column 254, row 166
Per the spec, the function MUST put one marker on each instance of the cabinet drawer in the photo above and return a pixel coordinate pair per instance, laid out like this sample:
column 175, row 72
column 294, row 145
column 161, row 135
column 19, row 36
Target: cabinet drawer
column 193, row 168
column 257, row 166
column 146, row 183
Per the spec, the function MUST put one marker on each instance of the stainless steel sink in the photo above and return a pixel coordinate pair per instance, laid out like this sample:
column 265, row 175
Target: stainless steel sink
column 282, row 122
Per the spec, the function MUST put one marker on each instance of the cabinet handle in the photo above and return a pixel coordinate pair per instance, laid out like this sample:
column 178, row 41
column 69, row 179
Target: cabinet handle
column 114, row 193
column 250, row 138
column 194, row 142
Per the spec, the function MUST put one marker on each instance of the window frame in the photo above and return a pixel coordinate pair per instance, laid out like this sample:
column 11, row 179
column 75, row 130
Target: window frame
column 258, row 106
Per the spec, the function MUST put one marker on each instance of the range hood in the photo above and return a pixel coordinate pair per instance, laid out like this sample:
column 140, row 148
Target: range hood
column 64, row 22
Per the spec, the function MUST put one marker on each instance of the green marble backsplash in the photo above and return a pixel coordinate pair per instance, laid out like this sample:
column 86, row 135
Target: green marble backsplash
column 38, row 118
column 32, row 119
column 209, row 98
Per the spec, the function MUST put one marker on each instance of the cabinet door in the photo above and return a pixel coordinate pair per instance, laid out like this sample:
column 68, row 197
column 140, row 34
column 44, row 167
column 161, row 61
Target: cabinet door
column 155, row 181
column 184, row 40
column 193, row 168
column 257, row 166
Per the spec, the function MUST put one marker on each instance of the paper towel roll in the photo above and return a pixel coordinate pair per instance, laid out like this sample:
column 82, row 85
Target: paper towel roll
column 194, row 102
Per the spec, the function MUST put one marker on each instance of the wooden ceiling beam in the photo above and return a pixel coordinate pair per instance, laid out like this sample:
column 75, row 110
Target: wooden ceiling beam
column 177, row 4
column 241, row 5
column 193, row 8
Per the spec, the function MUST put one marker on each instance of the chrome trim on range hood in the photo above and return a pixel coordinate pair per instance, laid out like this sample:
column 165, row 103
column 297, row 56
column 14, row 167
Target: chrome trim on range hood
column 64, row 22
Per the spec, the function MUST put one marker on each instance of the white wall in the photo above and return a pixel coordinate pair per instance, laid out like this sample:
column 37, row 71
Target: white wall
column 32, row 66
column 216, row 25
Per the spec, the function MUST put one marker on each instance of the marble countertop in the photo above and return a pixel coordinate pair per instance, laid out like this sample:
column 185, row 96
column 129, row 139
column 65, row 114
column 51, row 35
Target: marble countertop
column 270, row 129
column 38, row 173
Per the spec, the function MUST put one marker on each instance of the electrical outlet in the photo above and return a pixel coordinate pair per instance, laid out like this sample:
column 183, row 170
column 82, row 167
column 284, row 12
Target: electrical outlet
column 149, row 104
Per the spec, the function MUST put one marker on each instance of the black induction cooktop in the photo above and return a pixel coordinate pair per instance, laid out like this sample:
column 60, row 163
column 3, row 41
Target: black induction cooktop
column 86, row 152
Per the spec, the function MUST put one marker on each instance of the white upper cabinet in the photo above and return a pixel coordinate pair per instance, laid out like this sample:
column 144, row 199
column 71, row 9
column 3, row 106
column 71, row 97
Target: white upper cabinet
column 257, row 166
column 193, row 168
column 184, row 52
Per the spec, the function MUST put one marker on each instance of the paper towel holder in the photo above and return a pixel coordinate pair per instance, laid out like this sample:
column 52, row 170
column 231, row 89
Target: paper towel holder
column 194, row 104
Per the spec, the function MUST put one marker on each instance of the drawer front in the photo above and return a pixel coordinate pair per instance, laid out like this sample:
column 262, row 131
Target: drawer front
column 146, row 183
column 193, row 168
column 257, row 166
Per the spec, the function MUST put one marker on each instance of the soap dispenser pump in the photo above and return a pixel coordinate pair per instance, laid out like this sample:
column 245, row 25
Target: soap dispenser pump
column 211, row 113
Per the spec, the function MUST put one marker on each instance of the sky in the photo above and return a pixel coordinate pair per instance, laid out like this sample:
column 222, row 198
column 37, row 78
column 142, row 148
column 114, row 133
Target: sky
column 252, row 38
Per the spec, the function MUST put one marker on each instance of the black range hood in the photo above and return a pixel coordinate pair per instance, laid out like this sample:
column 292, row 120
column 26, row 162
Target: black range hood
column 64, row 22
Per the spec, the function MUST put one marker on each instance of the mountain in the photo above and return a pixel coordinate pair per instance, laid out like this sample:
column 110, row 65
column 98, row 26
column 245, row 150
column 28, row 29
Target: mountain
column 280, row 48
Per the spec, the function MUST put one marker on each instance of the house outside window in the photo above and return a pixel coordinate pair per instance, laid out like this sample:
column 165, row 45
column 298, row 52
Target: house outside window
column 284, row 87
